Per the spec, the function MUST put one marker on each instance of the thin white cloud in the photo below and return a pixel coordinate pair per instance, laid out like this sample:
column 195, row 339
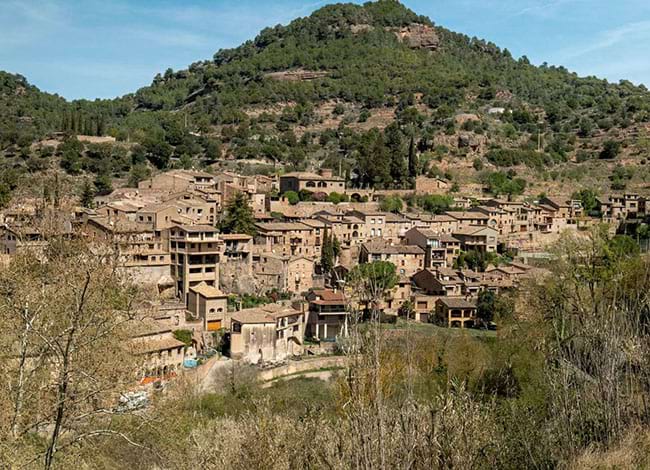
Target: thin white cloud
column 24, row 22
column 544, row 9
column 613, row 37
column 170, row 38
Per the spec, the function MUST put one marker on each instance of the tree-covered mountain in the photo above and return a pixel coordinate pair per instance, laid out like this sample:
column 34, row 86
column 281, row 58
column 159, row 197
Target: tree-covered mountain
column 374, row 89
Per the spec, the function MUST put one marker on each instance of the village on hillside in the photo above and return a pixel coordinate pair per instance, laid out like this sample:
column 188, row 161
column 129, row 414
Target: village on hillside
column 280, row 291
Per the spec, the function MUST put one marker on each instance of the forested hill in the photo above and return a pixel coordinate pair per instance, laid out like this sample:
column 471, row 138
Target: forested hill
column 376, row 89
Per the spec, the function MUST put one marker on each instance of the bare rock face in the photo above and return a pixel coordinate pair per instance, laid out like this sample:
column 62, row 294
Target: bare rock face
column 419, row 36
column 234, row 278
column 361, row 28
column 504, row 95
column 297, row 75
column 472, row 142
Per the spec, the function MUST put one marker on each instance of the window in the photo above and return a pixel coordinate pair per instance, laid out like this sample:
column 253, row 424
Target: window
column 236, row 327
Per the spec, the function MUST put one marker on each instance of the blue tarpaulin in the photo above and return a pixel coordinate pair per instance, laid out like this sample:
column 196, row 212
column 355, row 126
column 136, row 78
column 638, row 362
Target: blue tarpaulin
column 190, row 363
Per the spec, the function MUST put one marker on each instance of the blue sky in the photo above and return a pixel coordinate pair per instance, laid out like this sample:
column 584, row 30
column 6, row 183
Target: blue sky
column 106, row 48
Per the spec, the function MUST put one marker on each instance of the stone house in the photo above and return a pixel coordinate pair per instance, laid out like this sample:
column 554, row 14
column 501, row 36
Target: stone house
column 564, row 208
column 408, row 259
column 424, row 306
column 328, row 314
column 323, row 182
column 269, row 333
column 348, row 229
column 456, row 312
column 161, row 353
column 396, row 227
column 179, row 180
column 443, row 282
column 289, row 238
column 469, row 218
column 210, row 305
column 480, row 238
column 440, row 249
column 426, row 185
column 16, row 239
column 196, row 252
column 374, row 221
column 290, row 274
column 142, row 251
column 439, row 223
column 399, row 295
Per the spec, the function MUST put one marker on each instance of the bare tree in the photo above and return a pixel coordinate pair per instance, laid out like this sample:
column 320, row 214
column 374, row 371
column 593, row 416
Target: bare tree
column 68, row 357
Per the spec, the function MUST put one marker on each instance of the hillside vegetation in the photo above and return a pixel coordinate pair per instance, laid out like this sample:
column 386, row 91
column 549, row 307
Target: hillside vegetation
column 376, row 90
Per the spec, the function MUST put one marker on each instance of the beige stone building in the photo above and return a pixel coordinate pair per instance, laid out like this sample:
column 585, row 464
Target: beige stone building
column 408, row 259
column 426, row 185
column 289, row 238
column 210, row 305
column 161, row 353
column 479, row 238
column 270, row 333
column 328, row 315
column 440, row 249
column 195, row 257
column 291, row 274
column 324, row 182
column 179, row 180
column 143, row 251
column 15, row 239
column 456, row 312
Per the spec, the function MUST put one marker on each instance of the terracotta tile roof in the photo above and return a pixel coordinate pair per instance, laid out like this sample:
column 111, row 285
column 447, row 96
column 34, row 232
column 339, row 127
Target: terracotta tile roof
column 264, row 314
column 454, row 302
column 197, row 228
column 329, row 294
column 144, row 346
column 282, row 226
column 383, row 247
column 460, row 215
column 207, row 291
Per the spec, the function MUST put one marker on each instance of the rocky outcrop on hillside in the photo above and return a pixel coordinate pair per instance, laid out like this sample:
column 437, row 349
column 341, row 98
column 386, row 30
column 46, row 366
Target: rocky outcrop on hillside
column 415, row 35
column 419, row 36
column 297, row 75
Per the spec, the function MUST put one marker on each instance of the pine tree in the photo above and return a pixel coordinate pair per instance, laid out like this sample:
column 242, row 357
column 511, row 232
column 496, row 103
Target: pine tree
column 238, row 217
column 413, row 160
column 87, row 194
column 327, row 254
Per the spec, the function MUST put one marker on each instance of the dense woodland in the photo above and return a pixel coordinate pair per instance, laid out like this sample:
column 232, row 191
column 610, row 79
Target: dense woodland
column 197, row 117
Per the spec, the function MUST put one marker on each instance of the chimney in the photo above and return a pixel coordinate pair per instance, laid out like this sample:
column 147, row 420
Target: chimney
column 326, row 172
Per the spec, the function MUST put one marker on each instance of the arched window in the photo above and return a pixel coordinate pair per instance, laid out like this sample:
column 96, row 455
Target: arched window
column 310, row 184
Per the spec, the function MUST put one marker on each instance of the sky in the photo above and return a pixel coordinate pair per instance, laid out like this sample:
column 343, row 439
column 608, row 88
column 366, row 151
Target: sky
column 107, row 48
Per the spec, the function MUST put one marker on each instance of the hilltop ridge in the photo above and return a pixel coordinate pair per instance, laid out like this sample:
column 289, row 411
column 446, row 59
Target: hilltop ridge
column 363, row 88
